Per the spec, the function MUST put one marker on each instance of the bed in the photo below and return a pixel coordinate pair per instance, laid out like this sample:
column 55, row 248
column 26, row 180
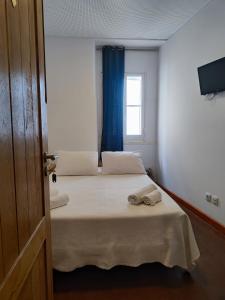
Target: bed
column 99, row 227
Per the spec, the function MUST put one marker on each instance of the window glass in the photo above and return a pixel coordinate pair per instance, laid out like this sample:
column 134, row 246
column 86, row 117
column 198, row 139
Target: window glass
column 133, row 105
column 133, row 90
column 133, row 120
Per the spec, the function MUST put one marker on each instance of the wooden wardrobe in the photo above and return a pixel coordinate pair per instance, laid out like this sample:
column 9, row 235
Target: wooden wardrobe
column 25, row 242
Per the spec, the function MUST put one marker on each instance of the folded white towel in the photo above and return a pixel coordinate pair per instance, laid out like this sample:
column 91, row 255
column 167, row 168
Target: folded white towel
column 59, row 200
column 135, row 198
column 53, row 192
column 151, row 198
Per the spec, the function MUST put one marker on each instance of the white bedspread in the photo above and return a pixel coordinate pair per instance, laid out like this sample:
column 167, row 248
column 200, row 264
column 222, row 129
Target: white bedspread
column 99, row 227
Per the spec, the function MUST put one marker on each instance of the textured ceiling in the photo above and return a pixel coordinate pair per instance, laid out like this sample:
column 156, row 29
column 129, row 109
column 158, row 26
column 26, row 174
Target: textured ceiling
column 118, row 19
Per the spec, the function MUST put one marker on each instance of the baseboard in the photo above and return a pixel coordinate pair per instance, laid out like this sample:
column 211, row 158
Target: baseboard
column 216, row 225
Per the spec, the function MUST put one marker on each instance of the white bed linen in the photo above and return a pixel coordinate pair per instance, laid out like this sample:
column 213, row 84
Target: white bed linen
column 99, row 227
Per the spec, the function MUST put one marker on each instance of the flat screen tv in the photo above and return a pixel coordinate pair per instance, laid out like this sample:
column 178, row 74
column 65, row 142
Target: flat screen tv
column 212, row 77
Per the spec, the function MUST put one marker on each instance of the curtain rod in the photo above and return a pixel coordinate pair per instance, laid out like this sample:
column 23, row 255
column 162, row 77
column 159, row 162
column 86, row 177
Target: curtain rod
column 133, row 48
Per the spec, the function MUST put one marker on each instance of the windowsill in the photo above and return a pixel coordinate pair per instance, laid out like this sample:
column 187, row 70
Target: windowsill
column 138, row 142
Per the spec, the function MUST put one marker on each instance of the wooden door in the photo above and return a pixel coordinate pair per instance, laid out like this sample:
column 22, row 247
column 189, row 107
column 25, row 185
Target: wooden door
column 25, row 244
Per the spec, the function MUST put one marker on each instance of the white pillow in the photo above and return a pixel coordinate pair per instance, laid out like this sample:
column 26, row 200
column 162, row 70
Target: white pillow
column 121, row 162
column 77, row 163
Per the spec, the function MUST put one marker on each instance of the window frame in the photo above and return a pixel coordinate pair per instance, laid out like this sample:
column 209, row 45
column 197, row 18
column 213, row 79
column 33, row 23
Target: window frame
column 134, row 139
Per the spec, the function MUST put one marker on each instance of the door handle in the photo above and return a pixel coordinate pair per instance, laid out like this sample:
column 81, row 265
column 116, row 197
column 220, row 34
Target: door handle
column 49, row 167
column 50, row 156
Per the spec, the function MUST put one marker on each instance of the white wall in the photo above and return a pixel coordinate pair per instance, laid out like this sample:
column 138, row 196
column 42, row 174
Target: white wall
column 191, row 130
column 72, row 116
column 145, row 62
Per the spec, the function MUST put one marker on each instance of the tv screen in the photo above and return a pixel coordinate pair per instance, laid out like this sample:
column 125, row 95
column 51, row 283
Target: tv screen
column 212, row 77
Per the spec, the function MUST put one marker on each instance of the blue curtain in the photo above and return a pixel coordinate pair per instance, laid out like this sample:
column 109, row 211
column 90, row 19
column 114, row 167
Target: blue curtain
column 113, row 84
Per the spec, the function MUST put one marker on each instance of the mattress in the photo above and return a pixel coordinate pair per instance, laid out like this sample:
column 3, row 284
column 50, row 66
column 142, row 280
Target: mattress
column 99, row 227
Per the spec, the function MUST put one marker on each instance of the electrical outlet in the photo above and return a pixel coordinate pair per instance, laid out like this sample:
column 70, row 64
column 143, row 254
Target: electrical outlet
column 208, row 197
column 215, row 200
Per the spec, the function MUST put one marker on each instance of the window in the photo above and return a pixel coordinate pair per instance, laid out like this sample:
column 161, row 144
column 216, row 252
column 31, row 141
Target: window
column 133, row 107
